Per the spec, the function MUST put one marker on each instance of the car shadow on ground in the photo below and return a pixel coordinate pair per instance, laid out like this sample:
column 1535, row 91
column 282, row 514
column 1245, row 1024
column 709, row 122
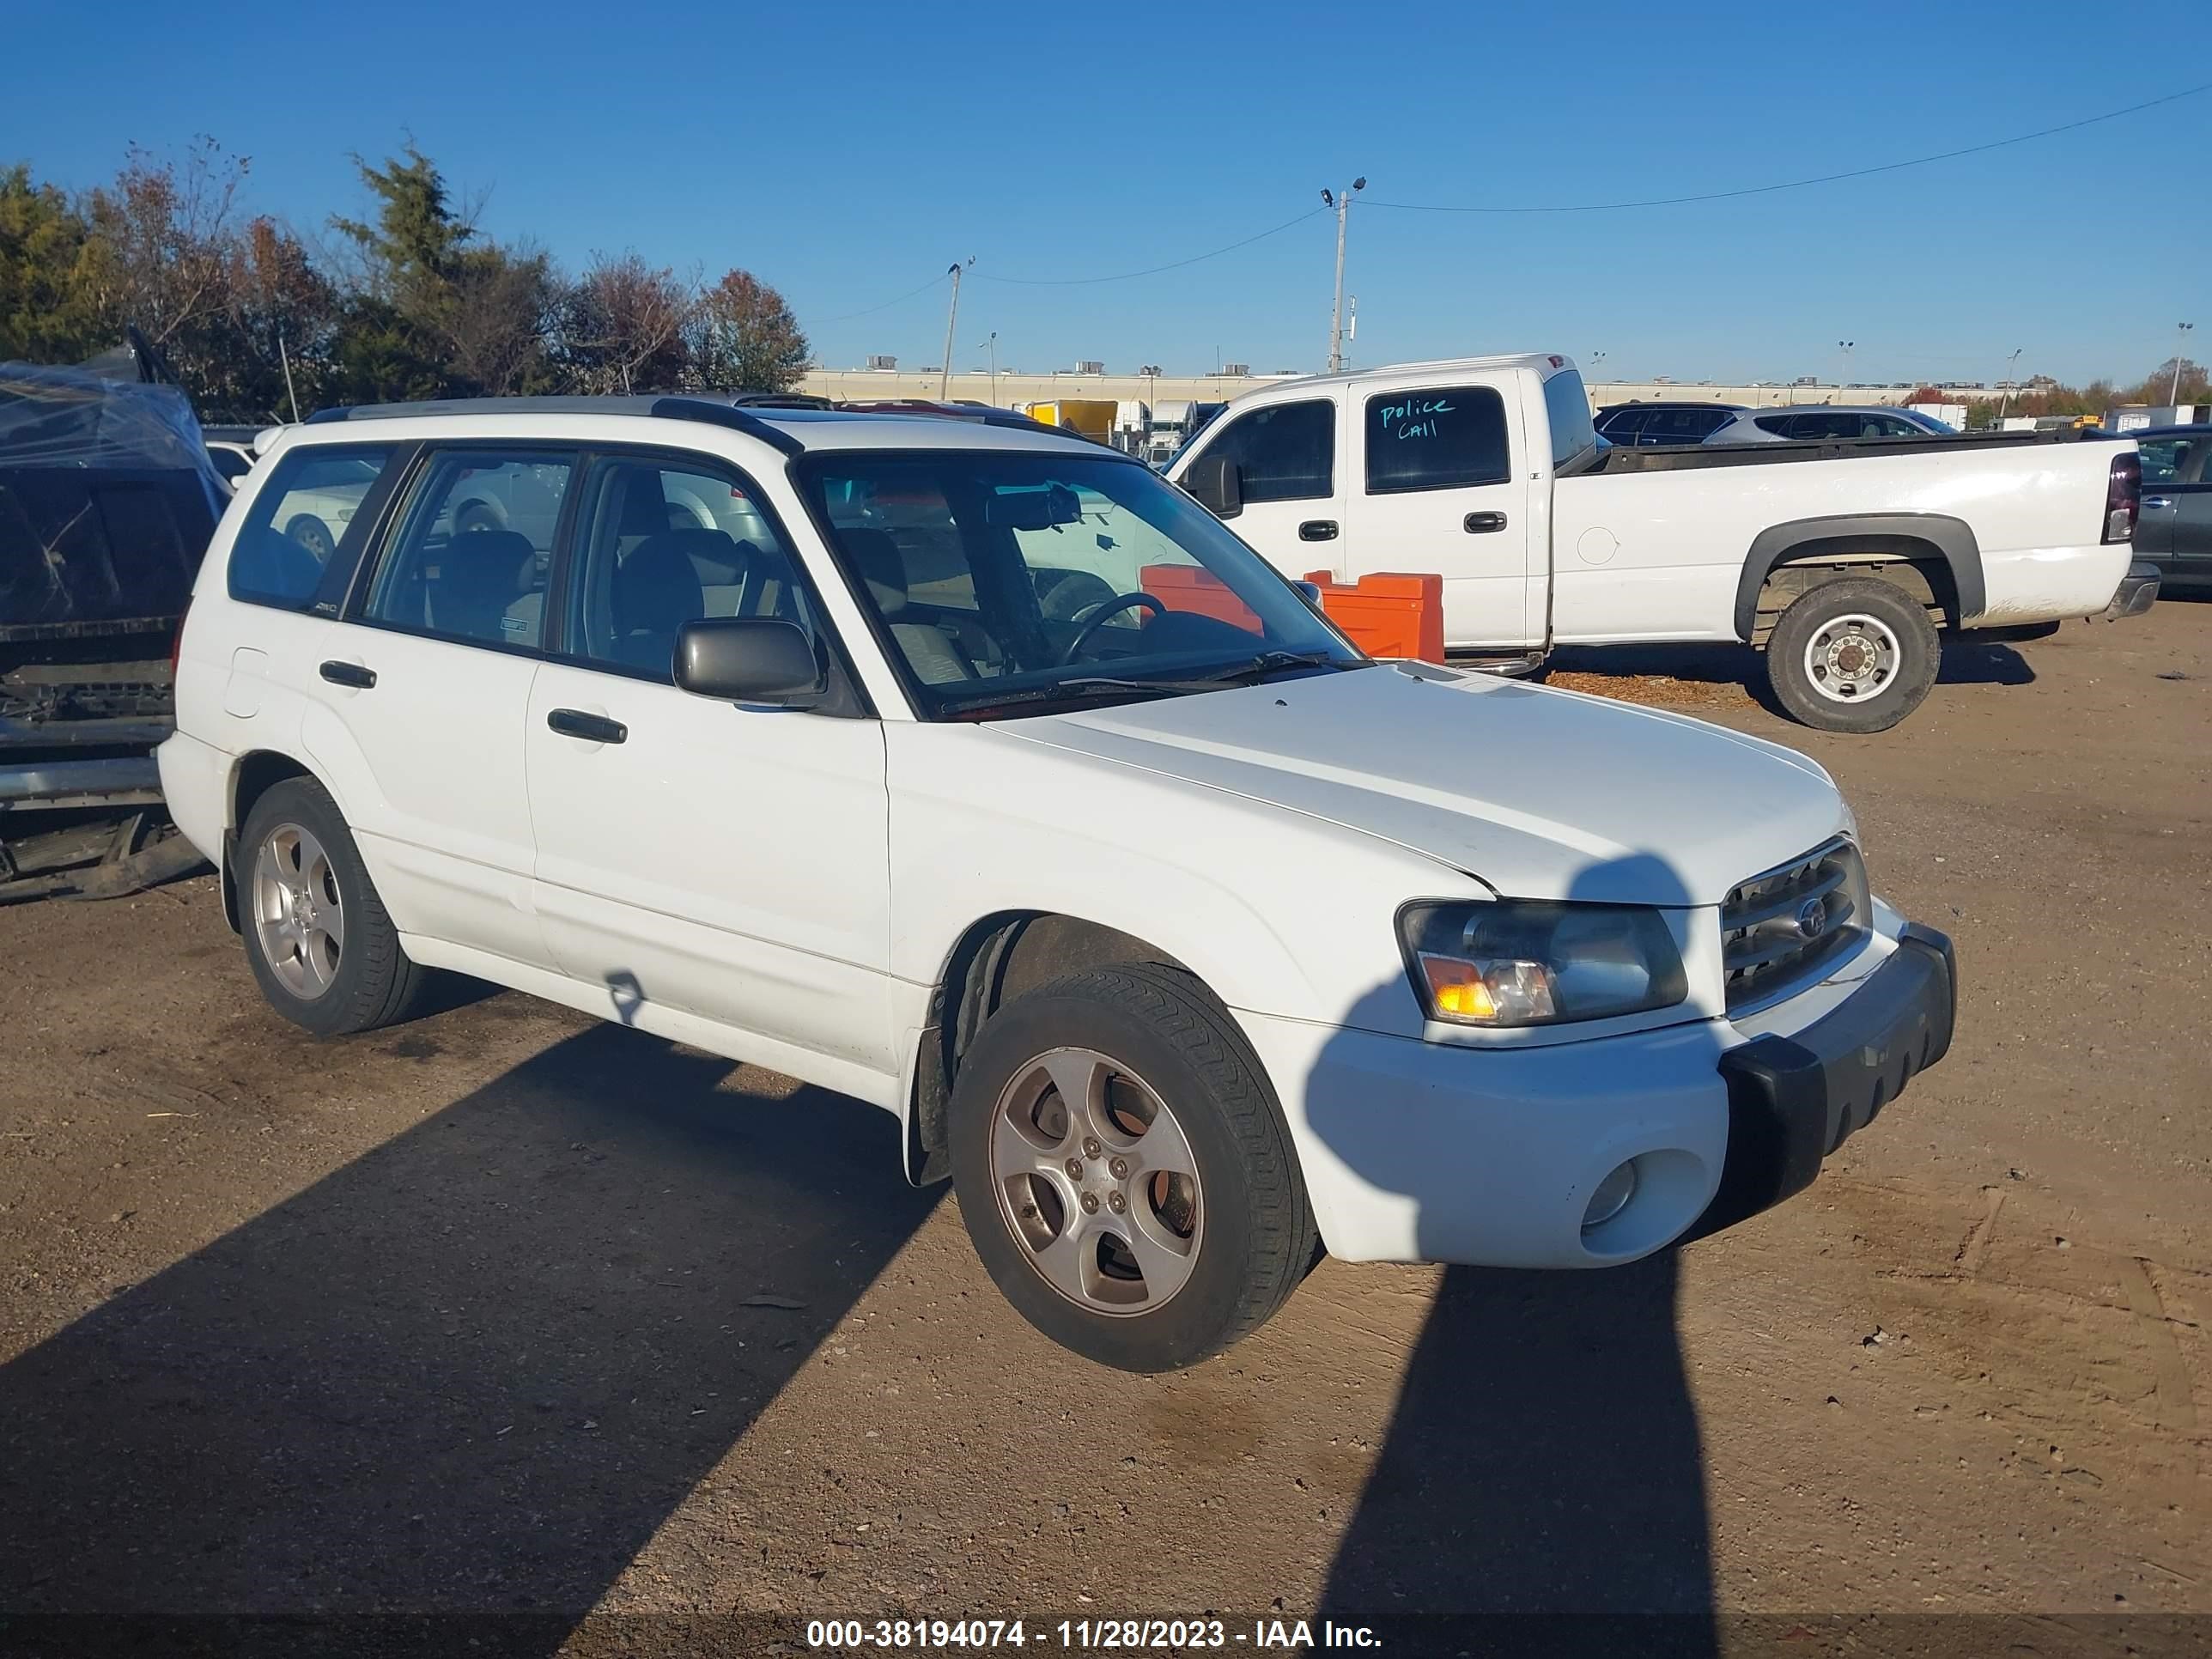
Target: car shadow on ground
column 1543, row 1467
column 472, row 1371
column 1967, row 660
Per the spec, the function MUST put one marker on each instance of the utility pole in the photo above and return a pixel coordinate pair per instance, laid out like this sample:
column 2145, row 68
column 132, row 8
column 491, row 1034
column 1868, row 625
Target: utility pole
column 1342, row 204
column 993, row 343
column 2012, row 381
column 2173, row 392
column 952, row 321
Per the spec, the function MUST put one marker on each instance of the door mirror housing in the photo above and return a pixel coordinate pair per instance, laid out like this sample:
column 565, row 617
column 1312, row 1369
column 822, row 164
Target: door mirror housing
column 749, row 659
column 1216, row 484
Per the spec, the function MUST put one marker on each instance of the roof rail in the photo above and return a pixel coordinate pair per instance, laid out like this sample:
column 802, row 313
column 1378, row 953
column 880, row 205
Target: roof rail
column 670, row 407
column 700, row 409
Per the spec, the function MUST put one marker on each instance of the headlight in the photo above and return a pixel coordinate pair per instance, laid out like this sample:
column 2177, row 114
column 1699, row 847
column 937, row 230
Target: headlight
column 1521, row 964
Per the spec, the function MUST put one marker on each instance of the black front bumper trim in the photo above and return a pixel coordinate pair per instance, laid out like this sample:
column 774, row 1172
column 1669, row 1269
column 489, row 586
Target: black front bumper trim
column 1793, row 1100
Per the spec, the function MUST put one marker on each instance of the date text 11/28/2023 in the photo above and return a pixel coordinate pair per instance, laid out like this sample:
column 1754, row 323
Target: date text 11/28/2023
column 1085, row 1635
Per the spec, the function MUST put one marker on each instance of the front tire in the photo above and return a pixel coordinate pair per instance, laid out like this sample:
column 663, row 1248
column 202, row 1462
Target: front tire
column 321, row 947
column 1854, row 655
column 1124, row 1171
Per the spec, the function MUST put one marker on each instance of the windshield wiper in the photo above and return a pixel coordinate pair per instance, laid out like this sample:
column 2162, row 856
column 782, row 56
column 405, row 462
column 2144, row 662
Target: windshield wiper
column 1255, row 669
column 1249, row 671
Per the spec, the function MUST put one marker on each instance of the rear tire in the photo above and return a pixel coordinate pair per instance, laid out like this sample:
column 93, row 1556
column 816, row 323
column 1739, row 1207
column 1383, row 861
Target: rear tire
column 1197, row 1227
column 321, row 947
column 1857, row 655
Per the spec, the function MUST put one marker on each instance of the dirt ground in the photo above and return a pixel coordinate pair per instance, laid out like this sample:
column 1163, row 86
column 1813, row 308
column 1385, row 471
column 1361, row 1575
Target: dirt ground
column 507, row 1311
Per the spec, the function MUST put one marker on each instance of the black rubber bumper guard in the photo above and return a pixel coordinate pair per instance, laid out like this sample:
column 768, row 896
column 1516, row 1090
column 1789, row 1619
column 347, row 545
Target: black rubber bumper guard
column 1793, row 1100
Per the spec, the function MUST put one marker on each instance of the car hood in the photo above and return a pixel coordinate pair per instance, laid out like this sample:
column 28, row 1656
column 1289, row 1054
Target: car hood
column 1537, row 792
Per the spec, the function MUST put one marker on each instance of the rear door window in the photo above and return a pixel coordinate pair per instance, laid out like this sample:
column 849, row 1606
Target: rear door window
column 471, row 558
column 1286, row 452
column 1438, row 438
column 1622, row 426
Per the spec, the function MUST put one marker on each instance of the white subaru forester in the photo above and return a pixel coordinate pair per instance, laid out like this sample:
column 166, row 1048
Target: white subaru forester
column 976, row 771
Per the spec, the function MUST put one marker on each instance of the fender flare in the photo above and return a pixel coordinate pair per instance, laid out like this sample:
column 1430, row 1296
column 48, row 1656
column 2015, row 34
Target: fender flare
column 1953, row 538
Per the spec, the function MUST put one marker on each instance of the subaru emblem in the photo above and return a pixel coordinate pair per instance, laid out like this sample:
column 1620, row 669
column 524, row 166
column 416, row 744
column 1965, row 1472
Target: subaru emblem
column 1812, row 918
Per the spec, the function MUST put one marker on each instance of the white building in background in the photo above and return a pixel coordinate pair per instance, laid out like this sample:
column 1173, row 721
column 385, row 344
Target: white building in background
column 883, row 379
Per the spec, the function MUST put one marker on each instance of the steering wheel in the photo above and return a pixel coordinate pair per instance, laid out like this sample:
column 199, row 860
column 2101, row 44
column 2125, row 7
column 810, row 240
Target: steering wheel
column 1100, row 613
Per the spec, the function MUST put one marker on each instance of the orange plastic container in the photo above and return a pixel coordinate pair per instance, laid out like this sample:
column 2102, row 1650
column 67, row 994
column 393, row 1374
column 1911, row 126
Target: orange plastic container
column 1388, row 615
column 1189, row 587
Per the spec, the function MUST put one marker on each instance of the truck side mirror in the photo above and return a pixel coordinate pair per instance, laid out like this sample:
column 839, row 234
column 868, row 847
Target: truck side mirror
column 1217, row 484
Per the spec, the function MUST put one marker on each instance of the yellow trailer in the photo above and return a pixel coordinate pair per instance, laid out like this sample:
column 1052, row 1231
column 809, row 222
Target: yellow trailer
column 1091, row 417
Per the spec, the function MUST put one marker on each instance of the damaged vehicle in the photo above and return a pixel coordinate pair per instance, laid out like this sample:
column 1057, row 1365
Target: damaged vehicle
column 108, row 501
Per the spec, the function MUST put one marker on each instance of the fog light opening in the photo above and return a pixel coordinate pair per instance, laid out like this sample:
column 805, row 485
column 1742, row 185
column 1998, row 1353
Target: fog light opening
column 1611, row 1197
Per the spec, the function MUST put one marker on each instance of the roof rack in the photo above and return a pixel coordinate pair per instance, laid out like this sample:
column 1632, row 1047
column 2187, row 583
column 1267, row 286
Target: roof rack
column 684, row 406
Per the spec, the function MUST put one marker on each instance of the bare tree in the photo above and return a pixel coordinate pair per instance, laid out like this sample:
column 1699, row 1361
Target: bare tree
column 502, row 305
column 171, row 259
column 624, row 326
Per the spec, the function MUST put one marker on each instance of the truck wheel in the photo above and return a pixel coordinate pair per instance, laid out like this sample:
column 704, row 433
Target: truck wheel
column 1855, row 655
column 321, row 947
column 1124, row 1170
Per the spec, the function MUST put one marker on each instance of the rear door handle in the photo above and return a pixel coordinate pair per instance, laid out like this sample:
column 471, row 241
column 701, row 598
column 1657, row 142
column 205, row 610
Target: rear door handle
column 2158, row 501
column 1317, row 530
column 359, row 676
column 1481, row 524
column 592, row 728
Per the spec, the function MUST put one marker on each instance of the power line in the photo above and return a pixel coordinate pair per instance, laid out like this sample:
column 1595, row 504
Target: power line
column 1149, row 271
column 1825, row 178
column 824, row 322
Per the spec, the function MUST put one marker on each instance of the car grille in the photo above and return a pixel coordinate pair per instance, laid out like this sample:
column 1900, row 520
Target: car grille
column 1784, row 928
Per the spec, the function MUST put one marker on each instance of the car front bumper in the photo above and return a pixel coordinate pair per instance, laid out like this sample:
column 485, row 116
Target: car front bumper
column 1424, row 1151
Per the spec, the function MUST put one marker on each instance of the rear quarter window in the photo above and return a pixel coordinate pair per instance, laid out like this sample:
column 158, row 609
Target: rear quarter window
column 316, row 502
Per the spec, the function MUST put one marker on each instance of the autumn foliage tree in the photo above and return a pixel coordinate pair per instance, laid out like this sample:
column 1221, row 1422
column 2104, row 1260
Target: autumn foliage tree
column 744, row 337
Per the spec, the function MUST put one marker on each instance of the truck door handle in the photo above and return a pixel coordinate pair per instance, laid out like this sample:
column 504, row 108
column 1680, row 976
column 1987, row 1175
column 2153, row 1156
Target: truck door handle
column 359, row 676
column 1317, row 530
column 592, row 728
column 1481, row 524
column 2157, row 501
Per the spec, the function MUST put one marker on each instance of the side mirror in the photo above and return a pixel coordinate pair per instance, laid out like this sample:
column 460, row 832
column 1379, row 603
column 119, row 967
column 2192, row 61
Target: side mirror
column 1216, row 484
column 748, row 659
column 1310, row 591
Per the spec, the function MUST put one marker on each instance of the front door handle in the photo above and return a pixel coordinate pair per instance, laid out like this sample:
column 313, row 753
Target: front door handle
column 1317, row 530
column 592, row 728
column 1481, row 524
column 2157, row 501
column 359, row 676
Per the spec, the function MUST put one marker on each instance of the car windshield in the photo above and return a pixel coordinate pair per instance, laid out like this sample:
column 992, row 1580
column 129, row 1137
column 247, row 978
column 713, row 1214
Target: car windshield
column 1011, row 583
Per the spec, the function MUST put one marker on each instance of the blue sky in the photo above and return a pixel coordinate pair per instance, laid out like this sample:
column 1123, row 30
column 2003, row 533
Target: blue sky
column 848, row 152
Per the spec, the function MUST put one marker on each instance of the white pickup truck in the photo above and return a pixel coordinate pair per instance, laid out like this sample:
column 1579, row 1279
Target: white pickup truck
column 1842, row 559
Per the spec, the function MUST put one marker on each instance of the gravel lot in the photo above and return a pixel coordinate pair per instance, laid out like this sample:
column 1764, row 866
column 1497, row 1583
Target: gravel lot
column 504, row 1310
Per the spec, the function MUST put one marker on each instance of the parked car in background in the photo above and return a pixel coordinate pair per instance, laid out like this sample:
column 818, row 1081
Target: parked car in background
column 842, row 800
column 2175, row 531
column 1842, row 560
column 1662, row 423
column 1828, row 422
